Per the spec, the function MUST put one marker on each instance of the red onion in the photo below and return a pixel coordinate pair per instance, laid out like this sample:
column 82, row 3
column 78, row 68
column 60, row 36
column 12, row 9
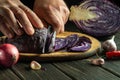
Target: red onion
column 9, row 55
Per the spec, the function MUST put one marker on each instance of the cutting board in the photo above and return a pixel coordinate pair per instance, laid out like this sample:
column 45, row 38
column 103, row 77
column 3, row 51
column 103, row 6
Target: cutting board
column 63, row 55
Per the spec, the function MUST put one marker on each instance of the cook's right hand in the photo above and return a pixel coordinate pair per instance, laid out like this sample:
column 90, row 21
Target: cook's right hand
column 15, row 18
column 52, row 12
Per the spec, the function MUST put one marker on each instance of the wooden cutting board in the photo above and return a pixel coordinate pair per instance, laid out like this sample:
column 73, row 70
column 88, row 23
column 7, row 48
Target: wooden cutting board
column 62, row 55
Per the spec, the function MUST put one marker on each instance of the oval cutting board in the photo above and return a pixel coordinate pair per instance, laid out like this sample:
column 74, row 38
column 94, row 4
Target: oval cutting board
column 62, row 55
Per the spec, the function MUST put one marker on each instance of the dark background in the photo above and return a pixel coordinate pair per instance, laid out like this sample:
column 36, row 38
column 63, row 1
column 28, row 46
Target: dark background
column 30, row 3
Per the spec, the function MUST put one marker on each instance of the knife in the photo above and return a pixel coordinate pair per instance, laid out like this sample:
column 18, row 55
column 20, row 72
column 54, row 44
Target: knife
column 50, row 40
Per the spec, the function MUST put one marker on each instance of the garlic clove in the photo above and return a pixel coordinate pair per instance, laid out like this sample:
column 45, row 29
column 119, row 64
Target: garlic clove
column 109, row 45
column 98, row 61
column 35, row 65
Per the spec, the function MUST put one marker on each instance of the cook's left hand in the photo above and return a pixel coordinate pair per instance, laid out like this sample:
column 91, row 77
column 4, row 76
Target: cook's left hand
column 53, row 12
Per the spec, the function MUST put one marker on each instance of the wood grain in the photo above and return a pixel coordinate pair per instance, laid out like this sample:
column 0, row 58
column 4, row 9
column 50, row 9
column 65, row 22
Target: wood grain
column 62, row 55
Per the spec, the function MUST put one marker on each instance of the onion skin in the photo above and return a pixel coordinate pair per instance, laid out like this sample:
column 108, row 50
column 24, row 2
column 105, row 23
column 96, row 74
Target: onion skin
column 99, row 18
column 9, row 55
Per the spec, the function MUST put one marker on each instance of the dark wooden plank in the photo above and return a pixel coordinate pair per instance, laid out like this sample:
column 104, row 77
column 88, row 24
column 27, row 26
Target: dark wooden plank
column 7, row 74
column 83, row 70
column 25, row 73
column 52, row 73
column 112, row 66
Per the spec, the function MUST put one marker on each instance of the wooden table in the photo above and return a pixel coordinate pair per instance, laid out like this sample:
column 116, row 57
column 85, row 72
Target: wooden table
column 67, row 70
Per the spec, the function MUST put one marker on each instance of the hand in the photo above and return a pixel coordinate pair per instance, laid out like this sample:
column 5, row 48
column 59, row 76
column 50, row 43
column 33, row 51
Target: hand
column 12, row 13
column 53, row 12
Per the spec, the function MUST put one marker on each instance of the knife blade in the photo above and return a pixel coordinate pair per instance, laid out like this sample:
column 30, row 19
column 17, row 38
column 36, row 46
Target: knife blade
column 50, row 40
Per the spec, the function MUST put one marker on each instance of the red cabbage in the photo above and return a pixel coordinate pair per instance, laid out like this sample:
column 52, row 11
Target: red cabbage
column 99, row 18
column 73, row 43
column 72, row 40
column 84, row 46
column 60, row 43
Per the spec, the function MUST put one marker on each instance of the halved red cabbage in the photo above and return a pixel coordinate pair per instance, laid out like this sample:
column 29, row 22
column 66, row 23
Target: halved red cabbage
column 98, row 18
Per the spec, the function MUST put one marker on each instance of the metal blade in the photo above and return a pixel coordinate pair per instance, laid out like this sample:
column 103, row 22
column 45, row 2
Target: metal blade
column 50, row 40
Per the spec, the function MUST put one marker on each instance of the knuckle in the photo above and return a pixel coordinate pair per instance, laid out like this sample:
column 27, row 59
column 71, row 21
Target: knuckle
column 66, row 11
column 18, row 11
column 27, row 10
column 47, row 8
column 19, row 14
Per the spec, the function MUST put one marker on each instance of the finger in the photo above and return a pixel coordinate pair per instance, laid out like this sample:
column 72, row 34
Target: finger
column 23, row 19
column 32, row 17
column 44, row 23
column 11, row 20
column 5, row 30
column 56, row 22
column 54, row 18
column 40, row 15
column 65, row 14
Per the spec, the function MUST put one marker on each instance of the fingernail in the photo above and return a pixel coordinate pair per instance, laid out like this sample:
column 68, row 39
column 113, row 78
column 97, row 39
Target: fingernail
column 40, row 26
column 30, row 31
